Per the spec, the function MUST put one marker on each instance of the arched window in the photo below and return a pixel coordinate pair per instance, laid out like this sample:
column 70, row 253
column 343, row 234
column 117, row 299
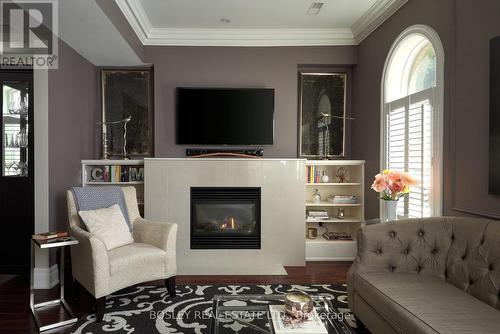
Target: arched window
column 412, row 103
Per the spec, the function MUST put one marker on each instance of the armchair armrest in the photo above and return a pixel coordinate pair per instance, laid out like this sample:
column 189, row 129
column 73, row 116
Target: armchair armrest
column 158, row 234
column 90, row 264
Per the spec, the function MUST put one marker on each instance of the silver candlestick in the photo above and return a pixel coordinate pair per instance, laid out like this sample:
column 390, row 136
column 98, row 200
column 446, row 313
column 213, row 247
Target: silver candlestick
column 106, row 137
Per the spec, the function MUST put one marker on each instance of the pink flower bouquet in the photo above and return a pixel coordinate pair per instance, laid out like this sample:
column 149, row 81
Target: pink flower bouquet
column 393, row 184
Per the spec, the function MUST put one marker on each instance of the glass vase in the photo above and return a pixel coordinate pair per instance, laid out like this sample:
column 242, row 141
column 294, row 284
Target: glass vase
column 391, row 208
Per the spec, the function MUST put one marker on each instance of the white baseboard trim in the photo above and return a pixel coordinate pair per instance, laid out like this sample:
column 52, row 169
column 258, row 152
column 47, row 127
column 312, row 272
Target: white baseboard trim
column 46, row 278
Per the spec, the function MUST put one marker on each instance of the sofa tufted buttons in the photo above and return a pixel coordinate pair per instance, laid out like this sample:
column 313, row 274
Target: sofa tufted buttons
column 378, row 251
column 452, row 237
column 471, row 282
column 491, row 267
column 392, row 268
column 419, row 268
column 464, row 256
column 406, row 251
column 392, row 234
column 434, row 251
column 421, row 233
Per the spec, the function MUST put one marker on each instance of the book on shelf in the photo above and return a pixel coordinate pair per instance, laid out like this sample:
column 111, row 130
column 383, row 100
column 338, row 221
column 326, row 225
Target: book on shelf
column 124, row 175
column 50, row 235
column 318, row 214
column 337, row 236
column 343, row 199
column 313, row 174
column 284, row 324
column 106, row 173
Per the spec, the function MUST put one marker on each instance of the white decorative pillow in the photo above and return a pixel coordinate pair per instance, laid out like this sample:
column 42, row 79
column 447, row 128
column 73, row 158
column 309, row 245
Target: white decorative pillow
column 108, row 225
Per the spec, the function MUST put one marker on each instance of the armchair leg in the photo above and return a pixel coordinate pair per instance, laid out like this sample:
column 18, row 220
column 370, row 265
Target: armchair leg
column 170, row 284
column 100, row 304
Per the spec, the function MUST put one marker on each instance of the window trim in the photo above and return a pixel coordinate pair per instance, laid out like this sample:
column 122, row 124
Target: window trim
column 438, row 127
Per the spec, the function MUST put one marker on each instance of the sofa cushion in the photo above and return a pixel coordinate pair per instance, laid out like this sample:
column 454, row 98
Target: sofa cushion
column 415, row 303
column 135, row 263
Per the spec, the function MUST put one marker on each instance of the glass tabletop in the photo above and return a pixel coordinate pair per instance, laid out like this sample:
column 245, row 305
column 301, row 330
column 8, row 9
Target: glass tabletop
column 244, row 314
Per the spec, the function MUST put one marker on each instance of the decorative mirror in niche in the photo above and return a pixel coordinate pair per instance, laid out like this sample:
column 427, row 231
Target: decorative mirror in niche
column 127, row 113
column 322, row 115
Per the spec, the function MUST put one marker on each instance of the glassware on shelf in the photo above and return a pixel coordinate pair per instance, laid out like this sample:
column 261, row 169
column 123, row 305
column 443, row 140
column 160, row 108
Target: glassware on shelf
column 23, row 138
column 8, row 165
column 20, row 168
column 19, row 107
column 23, row 168
column 15, row 129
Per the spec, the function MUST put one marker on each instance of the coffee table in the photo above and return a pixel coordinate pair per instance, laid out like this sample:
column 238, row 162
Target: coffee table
column 250, row 314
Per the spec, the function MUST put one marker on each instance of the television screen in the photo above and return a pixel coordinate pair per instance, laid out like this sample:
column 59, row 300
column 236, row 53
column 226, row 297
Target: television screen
column 222, row 116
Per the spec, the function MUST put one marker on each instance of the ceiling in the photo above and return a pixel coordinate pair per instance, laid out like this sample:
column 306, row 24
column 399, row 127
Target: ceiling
column 84, row 27
column 255, row 22
column 253, row 13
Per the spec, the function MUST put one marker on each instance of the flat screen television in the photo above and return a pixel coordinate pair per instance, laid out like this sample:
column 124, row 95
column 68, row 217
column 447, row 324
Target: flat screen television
column 225, row 116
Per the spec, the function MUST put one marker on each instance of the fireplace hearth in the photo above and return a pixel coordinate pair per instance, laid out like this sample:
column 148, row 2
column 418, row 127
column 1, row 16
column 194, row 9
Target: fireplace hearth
column 225, row 218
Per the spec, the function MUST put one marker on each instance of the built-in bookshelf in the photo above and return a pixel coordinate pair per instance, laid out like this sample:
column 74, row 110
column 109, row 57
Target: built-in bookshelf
column 343, row 192
column 115, row 172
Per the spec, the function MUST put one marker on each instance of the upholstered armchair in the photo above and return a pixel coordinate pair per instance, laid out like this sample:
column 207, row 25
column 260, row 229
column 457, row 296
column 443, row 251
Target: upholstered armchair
column 101, row 272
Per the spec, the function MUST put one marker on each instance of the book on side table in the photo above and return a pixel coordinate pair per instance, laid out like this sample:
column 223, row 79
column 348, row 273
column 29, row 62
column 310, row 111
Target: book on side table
column 50, row 235
column 283, row 325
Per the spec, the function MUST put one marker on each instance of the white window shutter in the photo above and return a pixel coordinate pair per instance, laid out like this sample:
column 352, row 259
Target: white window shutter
column 409, row 147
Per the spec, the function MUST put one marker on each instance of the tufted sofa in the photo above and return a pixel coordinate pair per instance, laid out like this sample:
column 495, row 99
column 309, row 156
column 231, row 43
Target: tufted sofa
column 432, row 275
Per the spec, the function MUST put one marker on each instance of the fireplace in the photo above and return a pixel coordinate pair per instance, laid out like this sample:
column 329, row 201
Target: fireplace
column 225, row 218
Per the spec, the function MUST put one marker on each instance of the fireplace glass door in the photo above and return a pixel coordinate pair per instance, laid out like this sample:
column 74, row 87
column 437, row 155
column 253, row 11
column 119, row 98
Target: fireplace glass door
column 225, row 218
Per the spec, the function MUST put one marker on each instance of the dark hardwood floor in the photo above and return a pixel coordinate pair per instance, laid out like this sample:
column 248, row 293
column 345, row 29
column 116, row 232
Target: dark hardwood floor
column 16, row 318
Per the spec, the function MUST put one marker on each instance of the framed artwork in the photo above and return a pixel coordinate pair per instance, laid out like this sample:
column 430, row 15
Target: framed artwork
column 127, row 113
column 322, row 115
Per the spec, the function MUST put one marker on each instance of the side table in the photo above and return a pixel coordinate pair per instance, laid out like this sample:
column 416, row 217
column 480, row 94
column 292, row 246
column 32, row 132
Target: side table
column 67, row 241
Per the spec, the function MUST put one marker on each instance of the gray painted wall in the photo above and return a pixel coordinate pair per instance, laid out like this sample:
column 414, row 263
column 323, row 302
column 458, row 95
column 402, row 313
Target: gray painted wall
column 274, row 67
column 465, row 28
column 72, row 130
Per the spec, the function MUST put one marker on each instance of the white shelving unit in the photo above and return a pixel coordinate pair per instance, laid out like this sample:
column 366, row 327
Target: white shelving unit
column 320, row 249
column 88, row 165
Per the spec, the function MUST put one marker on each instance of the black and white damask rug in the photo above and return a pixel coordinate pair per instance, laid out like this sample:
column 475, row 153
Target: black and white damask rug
column 149, row 309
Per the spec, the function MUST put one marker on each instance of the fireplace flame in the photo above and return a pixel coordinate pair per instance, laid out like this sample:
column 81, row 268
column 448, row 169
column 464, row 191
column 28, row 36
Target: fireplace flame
column 229, row 224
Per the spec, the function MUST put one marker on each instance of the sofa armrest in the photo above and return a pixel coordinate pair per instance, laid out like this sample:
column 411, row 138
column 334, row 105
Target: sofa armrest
column 90, row 264
column 158, row 234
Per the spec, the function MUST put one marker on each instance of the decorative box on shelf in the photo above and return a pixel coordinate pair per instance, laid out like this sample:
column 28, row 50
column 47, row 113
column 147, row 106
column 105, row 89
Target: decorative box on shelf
column 115, row 172
column 334, row 203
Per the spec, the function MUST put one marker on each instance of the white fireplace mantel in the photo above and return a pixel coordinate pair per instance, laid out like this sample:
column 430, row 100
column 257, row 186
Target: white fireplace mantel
column 167, row 198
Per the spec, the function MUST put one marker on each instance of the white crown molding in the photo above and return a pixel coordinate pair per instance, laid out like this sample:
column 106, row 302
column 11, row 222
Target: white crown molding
column 250, row 37
column 136, row 16
column 138, row 19
column 374, row 17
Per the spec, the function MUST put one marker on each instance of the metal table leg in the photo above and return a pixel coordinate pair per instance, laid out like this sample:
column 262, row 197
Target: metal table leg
column 61, row 299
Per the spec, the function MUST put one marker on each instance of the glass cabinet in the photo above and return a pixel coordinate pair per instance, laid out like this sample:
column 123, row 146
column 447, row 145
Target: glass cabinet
column 15, row 127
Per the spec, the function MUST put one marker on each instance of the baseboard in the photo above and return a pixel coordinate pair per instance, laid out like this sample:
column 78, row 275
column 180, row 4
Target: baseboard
column 46, row 278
